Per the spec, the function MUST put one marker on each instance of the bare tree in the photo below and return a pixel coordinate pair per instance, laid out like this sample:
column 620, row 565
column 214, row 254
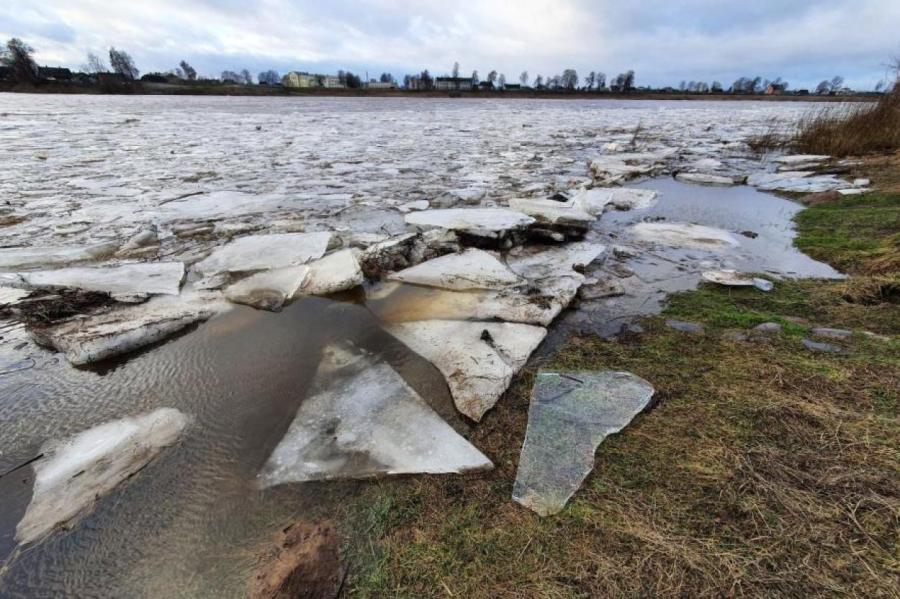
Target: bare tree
column 569, row 79
column 189, row 72
column 18, row 56
column 94, row 64
column 501, row 81
column 455, row 69
column 824, row 87
column 246, row 77
column 589, row 81
column 716, row 87
column 601, row 80
column 230, row 77
column 539, row 82
column 523, row 78
column 270, row 77
column 836, row 83
column 475, row 78
column 629, row 80
column 492, row 76
column 122, row 64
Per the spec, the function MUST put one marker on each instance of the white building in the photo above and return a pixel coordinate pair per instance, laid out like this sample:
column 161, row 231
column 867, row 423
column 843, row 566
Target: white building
column 308, row 80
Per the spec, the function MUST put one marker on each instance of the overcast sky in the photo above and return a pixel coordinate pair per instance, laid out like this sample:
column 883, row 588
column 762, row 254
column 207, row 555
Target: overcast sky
column 664, row 41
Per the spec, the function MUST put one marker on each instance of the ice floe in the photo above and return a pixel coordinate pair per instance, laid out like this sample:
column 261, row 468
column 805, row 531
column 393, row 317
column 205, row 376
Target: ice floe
column 142, row 278
column 95, row 337
column 570, row 414
column 705, row 179
column 265, row 252
column 269, row 289
column 335, row 272
column 551, row 212
column 470, row 269
column 800, row 182
column 478, row 359
column 30, row 257
column 481, row 222
column 733, row 278
column 362, row 419
column 684, row 235
column 76, row 472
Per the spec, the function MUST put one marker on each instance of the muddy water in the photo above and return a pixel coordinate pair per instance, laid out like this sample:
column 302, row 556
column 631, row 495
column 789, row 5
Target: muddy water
column 185, row 525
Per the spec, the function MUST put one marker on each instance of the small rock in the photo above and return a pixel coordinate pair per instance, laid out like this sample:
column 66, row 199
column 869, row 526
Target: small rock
column 685, row 327
column 821, row 347
column 832, row 333
column 768, row 327
column 623, row 252
column 736, row 336
column 750, row 234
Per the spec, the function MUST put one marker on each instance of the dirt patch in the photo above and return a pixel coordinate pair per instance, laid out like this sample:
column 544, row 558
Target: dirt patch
column 43, row 308
column 303, row 563
column 882, row 169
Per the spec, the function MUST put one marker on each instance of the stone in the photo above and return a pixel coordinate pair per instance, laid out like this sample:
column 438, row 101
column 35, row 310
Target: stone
column 478, row 359
column 570, row 415
column 768, row 327
column 705, row 179
column 142, row 278
column 684, row 235
column 815, row 346
column 361, row 419
column 335, row 272
column 685, row 327
column 265, row 252
column 469, row 269
column 269, row 289
column 75, row 473
column 832, row 333
column 481, row 222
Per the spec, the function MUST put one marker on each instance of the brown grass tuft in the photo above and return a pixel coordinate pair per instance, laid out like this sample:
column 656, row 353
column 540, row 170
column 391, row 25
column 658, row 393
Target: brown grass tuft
column 842, row 131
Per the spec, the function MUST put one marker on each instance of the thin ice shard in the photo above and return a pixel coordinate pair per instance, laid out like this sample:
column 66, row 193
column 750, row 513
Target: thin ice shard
column 362, row 419
column 268, row 290
column 478, row 359
column 571, row 413
column 335, row 272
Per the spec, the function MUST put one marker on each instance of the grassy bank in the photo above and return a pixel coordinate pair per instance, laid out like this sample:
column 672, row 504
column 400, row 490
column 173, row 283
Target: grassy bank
column 763, row 469
column 873, row 127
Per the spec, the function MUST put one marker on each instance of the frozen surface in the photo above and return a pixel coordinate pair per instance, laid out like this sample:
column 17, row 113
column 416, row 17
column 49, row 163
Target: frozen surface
column 335, row 272
column 732, row 278
column 478, row 359
column 76, row 472
column 684, row 235
column 362, row 419
column 268, row 290
column 599, row 199
column 552, row 212
column 570, row 414
column 469, row 269
column 263, row 252
column 28, row 257
column 484, row 222
column 705, row 179
column 148, row 278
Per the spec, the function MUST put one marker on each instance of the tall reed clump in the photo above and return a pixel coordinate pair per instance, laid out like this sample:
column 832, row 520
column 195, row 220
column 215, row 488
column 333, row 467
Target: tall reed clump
column 843, row 131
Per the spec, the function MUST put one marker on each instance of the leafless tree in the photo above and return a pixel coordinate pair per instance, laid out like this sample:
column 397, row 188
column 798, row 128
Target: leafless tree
column 94, row 64
column 230, row 77
column 539, row 82
column 475, row 78
column 629, row 80
column 601, row 80
column 501, row 81
column 269, row 77
column 589, row 81
column 456, row 69
column 569, row 79
column 189, row 72
column 523, row 78
column 836, row 83
column 246, row 77
column 492, row 76
column 122, row 64
column 18, row 56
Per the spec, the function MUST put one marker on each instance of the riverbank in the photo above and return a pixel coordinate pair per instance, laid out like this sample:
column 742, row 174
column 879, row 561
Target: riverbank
column 144, row 88
column 764, row 467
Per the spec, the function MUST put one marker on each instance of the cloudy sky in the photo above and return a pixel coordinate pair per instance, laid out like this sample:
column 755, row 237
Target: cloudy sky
column 664, row 41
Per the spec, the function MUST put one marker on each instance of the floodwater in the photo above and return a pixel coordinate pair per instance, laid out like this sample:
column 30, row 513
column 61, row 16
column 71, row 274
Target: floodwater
column 83, row 172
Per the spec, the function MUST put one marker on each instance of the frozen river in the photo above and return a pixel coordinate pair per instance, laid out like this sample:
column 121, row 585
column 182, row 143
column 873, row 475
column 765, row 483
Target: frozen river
column 97, row 171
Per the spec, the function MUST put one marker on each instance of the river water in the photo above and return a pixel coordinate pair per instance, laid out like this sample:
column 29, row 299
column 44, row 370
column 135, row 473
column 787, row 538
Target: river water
column 88, row 169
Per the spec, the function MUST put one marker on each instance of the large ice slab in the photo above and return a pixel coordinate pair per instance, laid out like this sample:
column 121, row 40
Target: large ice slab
column 88, row 339
column 483, row 222
column 144, row 278
column 599, row 199
column 30, row 257
column 571, row 413
column 478, row 359
column 796, row 182
column 76, row 472
column 705, row 179
column 362, row 419
column 684, row 235
column 268, row 290
column 265, row 252
column 469, row 269
column 335, row 272
column 551, row 212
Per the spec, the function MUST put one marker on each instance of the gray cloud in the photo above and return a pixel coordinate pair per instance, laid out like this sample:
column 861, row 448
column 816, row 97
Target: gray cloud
column 665, row 41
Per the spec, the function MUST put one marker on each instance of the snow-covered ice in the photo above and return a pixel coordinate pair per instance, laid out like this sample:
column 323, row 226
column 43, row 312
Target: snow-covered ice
column 469, row 269
column 142, row 278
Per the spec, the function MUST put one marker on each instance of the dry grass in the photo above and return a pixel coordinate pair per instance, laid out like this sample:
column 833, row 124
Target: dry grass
column 842, row 131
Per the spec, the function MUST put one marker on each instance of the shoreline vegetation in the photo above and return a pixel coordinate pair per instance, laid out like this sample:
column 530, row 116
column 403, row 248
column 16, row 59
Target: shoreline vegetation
column 224, row 89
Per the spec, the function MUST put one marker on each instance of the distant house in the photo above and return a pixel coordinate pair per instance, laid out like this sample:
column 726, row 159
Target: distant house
column 775, row 89
column 111, row 79
column 513, row 87
column 331, row 81
column 454, row 84
column 54, row 73
column 486, row 86
column 381, row 85
column 307, row 80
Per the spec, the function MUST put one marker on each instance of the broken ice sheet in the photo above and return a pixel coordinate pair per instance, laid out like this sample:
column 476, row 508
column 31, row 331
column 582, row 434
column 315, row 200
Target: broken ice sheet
column 483, row 222
column 77, row 471
column 265, row 252
column 469, row 269
column 599, row 199
column 478, row 359
column 335, row 272
column 733, row 278
column 362, row 419
column 570, row 414
column 551, row 212
column 30, row 257
column 144, row 278
column 96, row 337
column 268, row 290
column 684, row 235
